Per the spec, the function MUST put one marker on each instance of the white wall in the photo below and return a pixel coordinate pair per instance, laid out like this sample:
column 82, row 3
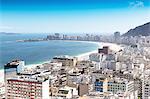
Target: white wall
column 45, row 90
column 2, row 88
column 20, row 67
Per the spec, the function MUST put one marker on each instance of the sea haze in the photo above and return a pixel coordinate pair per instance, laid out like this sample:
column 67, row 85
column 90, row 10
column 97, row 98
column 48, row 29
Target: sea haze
column 37, row 52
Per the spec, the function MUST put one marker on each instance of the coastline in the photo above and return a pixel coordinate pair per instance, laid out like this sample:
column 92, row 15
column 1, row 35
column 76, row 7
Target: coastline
column 114, row 47
column 83, row 56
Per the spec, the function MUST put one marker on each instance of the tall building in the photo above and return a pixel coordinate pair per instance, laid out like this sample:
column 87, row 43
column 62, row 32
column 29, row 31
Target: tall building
column 146, row 87
column 120, row 85
column 62, row 77
column 101, row 84
column 114, row 86
column 65, row 37
column 27, row 88
column 66, row 60
column 82, row 89
column 2, row 84
column 117, row 37
column 57, row 36
column 104, row 50
column 98, row 58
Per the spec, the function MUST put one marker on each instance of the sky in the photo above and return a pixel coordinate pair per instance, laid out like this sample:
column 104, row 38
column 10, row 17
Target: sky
column 72, row 16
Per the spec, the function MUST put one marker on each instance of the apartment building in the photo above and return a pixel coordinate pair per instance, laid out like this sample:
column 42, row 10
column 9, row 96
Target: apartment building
column 2, row 84
column 27, row 88
column 146, row 87
column 114, row 86
column 104, row 50
column 121, row 85
column 101, row 84
column 66, row 60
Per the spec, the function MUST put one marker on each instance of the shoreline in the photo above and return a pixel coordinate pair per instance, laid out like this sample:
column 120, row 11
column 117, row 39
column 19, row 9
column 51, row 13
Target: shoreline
column 114, row 47
column 83, row 56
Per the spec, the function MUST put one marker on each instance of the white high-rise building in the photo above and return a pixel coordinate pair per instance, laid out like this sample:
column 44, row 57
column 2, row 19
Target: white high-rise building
column 146, row 87
column 2, row 84
column 97, row 58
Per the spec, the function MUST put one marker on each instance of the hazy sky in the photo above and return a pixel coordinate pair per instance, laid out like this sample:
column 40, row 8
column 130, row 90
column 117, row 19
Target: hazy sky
column 104, row 16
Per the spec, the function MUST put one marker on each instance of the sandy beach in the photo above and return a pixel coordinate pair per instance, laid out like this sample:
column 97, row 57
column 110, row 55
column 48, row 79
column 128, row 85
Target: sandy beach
column 84, row 56
column 114, row 47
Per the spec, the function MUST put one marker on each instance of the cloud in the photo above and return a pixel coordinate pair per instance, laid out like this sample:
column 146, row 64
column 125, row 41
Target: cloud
column 136, row 4
column 6, row 27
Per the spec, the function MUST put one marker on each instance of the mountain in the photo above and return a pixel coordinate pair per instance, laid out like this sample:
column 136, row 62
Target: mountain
column 143, row 30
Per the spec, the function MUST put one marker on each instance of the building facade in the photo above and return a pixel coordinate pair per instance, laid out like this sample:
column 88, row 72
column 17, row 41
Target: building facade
column 2, row 84
column 65, row 60
column 18, row 88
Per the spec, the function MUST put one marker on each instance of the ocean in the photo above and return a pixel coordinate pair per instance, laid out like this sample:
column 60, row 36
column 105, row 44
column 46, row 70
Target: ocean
column 38, row 52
